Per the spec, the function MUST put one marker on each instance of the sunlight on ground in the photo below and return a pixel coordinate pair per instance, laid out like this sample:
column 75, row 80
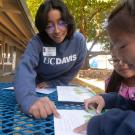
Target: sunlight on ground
column 94, row 82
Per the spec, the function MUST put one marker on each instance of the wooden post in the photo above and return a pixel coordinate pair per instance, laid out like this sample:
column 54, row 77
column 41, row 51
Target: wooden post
column 13, row 58
column 3, row 51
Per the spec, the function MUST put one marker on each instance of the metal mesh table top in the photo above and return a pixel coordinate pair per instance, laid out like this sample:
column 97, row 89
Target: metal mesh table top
column 14, row 122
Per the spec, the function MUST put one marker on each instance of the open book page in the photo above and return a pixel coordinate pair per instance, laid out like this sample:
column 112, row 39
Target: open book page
column 70, row 119
column 73, row 93
column 43, row 91
column 46, row 90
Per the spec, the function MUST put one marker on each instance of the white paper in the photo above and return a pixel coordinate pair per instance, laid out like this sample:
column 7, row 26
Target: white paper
column 9, row 88
column 71, row 119
column 73, row 93
column 46, row 90
column 49, row 51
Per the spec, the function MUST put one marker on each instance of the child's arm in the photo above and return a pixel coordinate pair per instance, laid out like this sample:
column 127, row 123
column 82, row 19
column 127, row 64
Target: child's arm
column 113, row 100
column 109, row 101
column 113, row 122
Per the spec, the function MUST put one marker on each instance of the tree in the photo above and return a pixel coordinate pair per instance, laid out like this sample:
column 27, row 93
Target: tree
column 90, row 17
column 33, row 6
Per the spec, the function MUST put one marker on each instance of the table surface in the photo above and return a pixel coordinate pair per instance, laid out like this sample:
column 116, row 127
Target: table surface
column 14, row 122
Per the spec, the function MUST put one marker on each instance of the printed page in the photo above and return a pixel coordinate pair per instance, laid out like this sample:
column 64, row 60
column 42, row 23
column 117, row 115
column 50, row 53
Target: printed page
column 9, row 88
column 73, row 93
column 70, row 119
column 46, row 90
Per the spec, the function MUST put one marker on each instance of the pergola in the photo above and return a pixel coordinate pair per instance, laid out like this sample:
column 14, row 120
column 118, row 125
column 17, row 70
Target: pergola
column 16, row 28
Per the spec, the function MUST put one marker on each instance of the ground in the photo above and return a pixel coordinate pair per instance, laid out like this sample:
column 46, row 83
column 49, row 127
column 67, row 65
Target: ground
column 89, row 84
column 8, row 78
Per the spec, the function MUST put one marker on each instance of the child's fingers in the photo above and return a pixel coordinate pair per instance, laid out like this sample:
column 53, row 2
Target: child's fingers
column 97, row 100
column 99, row 108
column 81, row 129
column 42, row 85
column 86, row 104
column 89, row 103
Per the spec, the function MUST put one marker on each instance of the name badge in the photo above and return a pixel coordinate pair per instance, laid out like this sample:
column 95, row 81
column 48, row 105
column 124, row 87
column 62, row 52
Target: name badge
column 49, row 51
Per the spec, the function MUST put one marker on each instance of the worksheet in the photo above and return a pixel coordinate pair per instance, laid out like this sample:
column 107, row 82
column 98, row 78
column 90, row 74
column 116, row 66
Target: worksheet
column 43, row 91
column 73, row 93
column 70, row 119
column 9, row 88
column 46, row 90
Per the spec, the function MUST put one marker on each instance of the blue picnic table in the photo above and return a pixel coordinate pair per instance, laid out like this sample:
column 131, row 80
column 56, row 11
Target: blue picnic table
column 14, row 122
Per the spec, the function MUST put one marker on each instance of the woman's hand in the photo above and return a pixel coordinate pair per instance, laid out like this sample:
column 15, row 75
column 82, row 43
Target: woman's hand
column 42, row 85
column 42, row 108
column 96, row 102
column 81, row 129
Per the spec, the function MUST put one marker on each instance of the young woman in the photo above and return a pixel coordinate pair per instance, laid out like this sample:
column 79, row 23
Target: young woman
column 53, row 57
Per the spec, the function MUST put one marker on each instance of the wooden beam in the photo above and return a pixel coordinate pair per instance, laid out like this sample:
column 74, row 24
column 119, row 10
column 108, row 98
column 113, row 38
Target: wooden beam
column 1, row 3
column 1, row 37
column 11, row 10
column 6, row 22
column 13, row 43
column 11, row 35
column 21, row 24
column 9, row 6
column 10, row 39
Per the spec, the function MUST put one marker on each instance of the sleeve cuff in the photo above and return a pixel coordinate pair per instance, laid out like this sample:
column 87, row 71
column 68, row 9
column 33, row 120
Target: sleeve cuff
column 28, row 102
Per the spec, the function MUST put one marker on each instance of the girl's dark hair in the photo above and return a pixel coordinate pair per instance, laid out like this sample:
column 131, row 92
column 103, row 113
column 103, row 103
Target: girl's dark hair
column 41, row 18
column 123, row 17
column 114, row 82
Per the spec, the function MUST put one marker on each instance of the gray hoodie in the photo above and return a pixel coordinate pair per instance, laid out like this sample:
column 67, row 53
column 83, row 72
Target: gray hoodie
column 56, row 65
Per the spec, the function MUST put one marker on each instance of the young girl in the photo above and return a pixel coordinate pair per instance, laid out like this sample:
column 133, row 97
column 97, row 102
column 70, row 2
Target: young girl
column 122, row 79
column 120, row 119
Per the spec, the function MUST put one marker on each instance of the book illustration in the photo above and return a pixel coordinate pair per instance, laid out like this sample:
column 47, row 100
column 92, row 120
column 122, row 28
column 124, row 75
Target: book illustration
column 81, row 90
column 73, row 93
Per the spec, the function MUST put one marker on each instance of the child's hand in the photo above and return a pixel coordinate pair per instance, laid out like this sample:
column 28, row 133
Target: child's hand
column 42, row 85
column 81, row 129
column 96, row 101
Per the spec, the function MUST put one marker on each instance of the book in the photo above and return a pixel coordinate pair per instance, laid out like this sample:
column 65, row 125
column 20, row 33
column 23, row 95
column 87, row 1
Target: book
column 71, row 119
column 73, row 94
column 45, row 90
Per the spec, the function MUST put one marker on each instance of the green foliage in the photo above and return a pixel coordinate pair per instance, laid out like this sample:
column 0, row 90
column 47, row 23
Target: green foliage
column 90, row 16
column 33, row 6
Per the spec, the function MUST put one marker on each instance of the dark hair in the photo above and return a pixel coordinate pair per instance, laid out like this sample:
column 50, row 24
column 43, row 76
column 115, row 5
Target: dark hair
column 114, row 82
column 123, row 17
column 41, row 18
